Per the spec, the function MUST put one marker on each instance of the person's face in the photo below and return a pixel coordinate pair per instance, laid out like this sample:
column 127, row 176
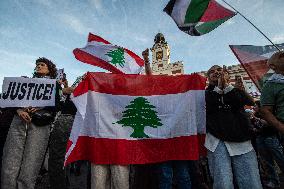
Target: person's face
column 278, row 64
column 41, row 69
column 214, row 74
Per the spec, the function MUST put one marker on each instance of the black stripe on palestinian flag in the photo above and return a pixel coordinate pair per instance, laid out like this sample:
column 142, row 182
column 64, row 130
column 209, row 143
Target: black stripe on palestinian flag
column 169, row 8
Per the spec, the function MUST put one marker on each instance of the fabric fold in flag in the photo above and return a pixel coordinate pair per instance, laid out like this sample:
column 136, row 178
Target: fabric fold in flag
column 254, row 60
column 138, row 119
column 197, row 17
column 99, row 52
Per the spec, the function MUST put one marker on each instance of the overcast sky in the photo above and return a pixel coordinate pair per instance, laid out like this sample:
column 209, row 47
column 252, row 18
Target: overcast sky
column 53, row 28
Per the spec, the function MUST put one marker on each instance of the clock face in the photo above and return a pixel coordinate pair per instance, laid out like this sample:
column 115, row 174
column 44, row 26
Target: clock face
column 159, row 55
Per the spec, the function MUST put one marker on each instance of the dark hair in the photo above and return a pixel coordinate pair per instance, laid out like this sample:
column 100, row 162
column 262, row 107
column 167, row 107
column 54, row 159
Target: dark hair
column 51, row 67
column 212, row 67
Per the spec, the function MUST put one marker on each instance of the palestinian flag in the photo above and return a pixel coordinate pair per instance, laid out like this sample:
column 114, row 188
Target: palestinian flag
column 197, row 17
column 254, row 59
column 137, row 119
column 101, row 53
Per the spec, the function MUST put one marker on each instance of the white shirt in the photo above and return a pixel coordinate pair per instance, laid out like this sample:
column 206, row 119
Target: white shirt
column 234, row 148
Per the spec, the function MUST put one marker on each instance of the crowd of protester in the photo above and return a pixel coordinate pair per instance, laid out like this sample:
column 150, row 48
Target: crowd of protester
column 243, row 140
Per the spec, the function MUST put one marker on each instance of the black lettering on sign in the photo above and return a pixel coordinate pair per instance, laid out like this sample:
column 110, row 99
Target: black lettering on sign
column 6, row 94
column 14, row 91
column 51, row 90
column 46, row 91
column 31, row 86
column 23, row 91
column 35, row 90
column 38, row 93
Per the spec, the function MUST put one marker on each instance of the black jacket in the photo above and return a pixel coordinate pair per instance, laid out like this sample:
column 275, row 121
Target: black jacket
column 225, row 115
column 68, row 107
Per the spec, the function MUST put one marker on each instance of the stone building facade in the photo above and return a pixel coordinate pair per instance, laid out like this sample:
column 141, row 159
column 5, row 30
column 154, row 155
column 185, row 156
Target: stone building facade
column 161, row 58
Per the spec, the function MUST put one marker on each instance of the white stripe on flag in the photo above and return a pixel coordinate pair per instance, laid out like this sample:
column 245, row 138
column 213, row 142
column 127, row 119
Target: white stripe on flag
column 100, row 50
column 182, row 114
column 179, row 11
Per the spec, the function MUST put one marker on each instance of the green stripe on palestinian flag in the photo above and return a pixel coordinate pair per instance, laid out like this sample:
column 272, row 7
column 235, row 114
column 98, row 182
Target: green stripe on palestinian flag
column 254, row 60
column 197, row 17
column 99, row 52
column 206, row 27
column 195, row 11
column 123, row 119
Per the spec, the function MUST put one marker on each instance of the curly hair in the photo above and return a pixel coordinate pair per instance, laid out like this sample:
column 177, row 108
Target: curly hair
column 51, row 67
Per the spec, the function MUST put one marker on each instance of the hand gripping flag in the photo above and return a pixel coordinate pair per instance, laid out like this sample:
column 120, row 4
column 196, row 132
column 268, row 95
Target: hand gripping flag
column 254, row 59
column 197, row 17
column 101, row 53
column 137, row 119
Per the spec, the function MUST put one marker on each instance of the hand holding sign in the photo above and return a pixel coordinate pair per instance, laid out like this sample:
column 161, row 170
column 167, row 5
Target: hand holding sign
column 31, row 110
column 24, row 115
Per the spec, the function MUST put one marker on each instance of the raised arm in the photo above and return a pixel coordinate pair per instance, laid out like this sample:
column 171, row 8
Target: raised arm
column 145, row 55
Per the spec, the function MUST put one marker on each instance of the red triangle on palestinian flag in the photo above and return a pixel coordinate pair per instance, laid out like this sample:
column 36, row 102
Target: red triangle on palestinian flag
column 99, row 52
column 122, row 119
column 254, row 60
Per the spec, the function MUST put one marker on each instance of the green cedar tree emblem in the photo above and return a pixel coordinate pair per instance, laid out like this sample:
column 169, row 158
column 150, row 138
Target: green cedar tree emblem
column 139, row 114
column 117, row 56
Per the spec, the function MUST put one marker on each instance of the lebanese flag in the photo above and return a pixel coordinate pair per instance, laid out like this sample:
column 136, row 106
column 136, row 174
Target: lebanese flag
column 137, row 119
column 197, row 17
column 254, row 60
column 99, row 52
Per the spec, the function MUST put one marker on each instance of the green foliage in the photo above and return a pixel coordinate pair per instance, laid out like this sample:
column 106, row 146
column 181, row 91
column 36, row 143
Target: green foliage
column 139, row 114
column 117, row 56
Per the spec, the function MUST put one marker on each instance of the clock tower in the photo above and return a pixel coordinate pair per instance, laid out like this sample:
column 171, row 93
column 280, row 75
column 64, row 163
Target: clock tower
column 161, row 58
column 160, row 53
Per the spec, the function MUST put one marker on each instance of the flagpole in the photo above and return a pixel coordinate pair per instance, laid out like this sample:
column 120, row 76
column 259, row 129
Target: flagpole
column 252, row 25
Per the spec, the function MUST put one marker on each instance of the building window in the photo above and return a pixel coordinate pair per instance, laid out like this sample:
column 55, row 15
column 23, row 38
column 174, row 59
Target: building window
column 176, row 71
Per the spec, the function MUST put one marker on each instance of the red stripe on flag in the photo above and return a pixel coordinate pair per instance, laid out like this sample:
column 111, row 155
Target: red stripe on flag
column 93, row 37
column 139, row 85
column 124, row 152
column 215, row 11
column 69, row 144
column 138, row 60
column 90, row 59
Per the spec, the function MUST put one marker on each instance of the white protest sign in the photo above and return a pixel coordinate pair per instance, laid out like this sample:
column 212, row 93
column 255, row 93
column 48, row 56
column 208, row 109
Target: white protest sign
column 26, row 92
